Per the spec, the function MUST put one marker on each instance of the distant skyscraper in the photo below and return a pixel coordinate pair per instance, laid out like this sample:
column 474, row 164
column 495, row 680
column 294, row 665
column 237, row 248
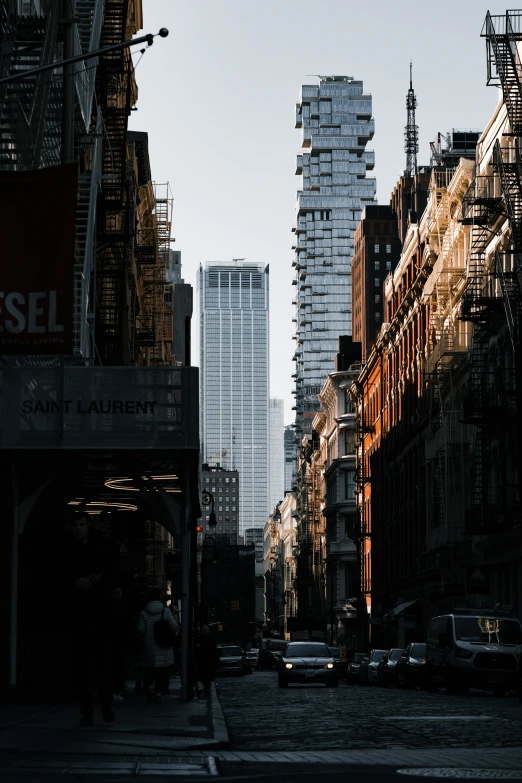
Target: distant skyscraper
column 290, row 457
column 336, row 120
column 234, row 378
column 277, row 453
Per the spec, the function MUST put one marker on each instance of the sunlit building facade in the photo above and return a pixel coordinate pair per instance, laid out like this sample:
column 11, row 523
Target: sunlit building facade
column 234, row 378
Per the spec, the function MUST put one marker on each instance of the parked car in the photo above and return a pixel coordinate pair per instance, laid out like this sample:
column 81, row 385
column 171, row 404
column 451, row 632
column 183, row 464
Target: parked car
column 376, row 657
column 270, row 653
column 354, row 666
column 307, row 662
column 473, row 649
column 411, row 666
column 252, row 657
column 232, row 660
column 386, row 674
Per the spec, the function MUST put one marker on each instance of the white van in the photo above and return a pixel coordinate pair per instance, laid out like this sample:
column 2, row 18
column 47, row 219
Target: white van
column 479, row 650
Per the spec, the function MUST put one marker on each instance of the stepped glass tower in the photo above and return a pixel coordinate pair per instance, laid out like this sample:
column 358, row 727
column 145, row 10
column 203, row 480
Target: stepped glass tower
column 335, row 116
column 234, row 381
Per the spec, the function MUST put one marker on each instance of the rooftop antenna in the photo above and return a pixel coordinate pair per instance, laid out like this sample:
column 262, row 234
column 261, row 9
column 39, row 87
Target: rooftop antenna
column 411, row 133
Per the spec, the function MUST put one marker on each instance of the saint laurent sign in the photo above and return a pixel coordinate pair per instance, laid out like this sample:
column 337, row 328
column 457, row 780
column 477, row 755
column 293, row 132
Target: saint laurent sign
column 93, row 406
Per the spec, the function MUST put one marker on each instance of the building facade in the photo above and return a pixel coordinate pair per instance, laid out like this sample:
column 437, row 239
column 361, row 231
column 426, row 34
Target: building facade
column 436, row 397
column 223, row 485
column 336, row 425
column 335, row 116
column 290, row 446
column 277, row 452
column 377, row 249
column 234, row 371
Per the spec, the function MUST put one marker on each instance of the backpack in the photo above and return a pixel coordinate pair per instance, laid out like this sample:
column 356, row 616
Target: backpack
column 164, row 635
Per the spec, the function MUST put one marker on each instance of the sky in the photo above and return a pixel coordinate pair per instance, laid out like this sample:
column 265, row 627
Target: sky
column 217, row 98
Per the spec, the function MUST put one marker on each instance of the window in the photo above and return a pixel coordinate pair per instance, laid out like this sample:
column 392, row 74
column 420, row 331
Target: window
column 388, row 248
column 207, row 480
column 220, row 518
column 227, row 480
column 377, row 265
column 388, row 265
column 377, row 282
column 233, row 481
column 227, row 508
column 349, row 484
column 376, row 248
column 377, row 316
column 220, row 508
column 233, row 508
column 377, row 298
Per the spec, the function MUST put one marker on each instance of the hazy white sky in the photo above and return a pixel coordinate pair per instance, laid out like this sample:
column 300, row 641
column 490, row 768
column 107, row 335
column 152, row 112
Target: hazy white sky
column 217, row 99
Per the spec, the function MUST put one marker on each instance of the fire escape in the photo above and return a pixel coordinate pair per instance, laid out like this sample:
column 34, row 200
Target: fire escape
column 116, row 94
column 494, row 291
column 31, row 116
column 364, row 428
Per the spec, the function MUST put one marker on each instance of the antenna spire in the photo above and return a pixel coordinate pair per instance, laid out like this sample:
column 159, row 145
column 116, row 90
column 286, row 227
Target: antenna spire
column 411, row 133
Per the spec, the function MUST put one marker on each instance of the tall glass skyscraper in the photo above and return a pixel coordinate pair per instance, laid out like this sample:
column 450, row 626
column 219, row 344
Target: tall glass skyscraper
column 234, row 379
column 277, row 452
column 336, row 120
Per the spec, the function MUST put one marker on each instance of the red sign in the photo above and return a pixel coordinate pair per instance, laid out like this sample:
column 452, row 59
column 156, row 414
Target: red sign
column 37, row 247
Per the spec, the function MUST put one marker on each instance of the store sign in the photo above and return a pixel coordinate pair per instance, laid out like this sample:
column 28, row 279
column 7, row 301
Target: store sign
column 99, row 408
column 37, row 271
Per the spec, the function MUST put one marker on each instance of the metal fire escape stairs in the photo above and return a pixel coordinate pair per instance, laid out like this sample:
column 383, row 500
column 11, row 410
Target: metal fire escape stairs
column 31, row 123
column 493, row 291
column 114, row 86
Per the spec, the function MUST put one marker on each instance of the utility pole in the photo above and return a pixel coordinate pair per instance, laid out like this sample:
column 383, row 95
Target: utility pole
column 68, row 9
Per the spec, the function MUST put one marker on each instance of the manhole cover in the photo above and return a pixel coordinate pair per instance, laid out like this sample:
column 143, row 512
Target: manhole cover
column 445, row 772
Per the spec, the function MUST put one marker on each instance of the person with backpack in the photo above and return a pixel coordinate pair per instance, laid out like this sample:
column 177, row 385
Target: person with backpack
column 158, row 628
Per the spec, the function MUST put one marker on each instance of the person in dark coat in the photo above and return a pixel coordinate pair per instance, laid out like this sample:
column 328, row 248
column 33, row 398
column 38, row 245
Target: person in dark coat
column 158, row 659
column 92, row 587
column 206, row 659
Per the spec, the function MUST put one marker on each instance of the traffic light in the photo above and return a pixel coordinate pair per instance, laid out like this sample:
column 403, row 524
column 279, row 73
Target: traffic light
column 199, row 528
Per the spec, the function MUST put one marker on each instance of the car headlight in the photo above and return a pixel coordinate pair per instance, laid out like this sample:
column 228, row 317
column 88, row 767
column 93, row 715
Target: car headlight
column 289, row 665
column 461, row 653
column 329, row 665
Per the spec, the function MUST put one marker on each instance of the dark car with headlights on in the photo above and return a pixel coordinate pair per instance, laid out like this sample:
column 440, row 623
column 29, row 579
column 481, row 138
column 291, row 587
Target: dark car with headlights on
column 411, row 666
column 386, row 674
column 232, row 660
column 307, row 662
column 354, row 667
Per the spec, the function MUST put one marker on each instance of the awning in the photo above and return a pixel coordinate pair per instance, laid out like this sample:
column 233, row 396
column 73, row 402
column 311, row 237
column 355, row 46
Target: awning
column 400, row 609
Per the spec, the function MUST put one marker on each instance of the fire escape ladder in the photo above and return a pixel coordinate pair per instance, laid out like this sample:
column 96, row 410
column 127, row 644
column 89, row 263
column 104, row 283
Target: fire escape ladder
column 30, row 108
column 503, row 55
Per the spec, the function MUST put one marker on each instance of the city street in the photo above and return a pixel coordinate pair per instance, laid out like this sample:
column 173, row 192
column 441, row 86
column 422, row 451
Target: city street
column 261, row 716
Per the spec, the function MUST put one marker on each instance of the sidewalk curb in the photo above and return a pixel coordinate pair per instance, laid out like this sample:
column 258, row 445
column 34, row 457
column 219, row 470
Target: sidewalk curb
column 219, row 724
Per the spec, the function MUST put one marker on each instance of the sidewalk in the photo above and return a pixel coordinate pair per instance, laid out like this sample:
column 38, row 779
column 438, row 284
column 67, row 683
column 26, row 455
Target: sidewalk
column 141, row 727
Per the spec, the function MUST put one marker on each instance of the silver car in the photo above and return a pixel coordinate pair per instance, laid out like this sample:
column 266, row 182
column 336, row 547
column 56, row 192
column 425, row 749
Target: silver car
column 307, row 662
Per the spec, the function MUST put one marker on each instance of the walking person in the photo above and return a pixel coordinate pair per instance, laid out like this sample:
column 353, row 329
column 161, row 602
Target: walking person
column 206, row 659
column 159, row 654
column 91, row 588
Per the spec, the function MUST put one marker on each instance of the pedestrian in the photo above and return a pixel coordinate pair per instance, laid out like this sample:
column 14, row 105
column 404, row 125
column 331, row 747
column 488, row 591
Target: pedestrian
column 206, row 659
column 91, row 589
column 158, row 658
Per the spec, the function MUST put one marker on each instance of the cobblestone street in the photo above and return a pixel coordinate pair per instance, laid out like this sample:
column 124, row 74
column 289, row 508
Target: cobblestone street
column 262, row 716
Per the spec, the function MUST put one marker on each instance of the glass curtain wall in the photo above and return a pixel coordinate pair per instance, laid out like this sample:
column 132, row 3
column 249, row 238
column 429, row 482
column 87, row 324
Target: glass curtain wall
column 335, row 116
column 234, row 378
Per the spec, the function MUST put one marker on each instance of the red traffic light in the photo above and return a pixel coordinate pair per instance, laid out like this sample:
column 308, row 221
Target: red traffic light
column 199, row 528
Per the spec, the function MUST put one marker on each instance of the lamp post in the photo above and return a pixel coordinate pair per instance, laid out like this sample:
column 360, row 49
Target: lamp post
column 207, row 499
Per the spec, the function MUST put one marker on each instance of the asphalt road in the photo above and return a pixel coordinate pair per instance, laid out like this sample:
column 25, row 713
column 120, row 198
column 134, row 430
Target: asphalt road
column 261, row 716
